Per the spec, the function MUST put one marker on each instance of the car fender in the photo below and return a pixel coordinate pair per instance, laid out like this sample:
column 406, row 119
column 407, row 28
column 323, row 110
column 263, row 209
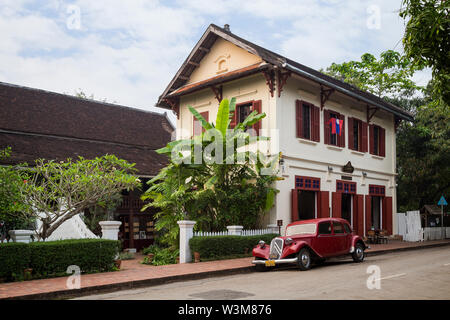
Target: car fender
column 261, row 252
column 356, row 239
column 296, row 247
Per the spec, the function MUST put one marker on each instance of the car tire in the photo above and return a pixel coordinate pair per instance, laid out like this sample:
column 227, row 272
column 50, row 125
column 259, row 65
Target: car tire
column 304, row 259
column 358, row 254
column 260, row 267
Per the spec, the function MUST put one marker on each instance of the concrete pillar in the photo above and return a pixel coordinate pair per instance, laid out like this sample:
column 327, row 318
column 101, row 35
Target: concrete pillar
column 21, row 235
column 110, row 229
column 235, row 230
column 186, row 233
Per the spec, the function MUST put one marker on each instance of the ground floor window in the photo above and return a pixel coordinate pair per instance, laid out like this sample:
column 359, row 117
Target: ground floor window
column 346, row 207
column 306, row 204
column 376, row 212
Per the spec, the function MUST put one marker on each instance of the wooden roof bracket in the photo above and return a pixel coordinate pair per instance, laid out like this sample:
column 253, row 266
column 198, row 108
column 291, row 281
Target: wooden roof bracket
column 217, row 92
column 174, row 103
column 270, row 80
column 369, row 116
column 282, row 78
column 324, row 96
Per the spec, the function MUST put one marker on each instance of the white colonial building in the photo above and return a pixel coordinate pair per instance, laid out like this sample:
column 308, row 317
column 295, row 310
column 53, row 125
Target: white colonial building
column 351, row 175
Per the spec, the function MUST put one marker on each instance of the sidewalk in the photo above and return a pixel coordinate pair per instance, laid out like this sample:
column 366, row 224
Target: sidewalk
column 134, row 274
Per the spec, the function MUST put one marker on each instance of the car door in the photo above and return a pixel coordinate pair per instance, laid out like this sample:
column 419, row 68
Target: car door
column 349, row 237
column 323, row 243
column 340, row 238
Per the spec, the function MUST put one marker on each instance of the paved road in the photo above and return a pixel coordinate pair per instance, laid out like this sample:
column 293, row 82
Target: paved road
column 418, row 274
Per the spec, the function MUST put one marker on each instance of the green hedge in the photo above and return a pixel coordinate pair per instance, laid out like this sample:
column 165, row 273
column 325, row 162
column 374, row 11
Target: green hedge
column 53, row 257
column 223, row 246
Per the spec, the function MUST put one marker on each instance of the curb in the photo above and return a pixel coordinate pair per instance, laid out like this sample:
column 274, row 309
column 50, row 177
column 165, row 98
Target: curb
column 107, row 288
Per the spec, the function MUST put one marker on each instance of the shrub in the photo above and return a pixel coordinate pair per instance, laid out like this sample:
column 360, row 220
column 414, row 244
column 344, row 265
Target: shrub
column 53, row 257
column 223, row 246
column 162, row 256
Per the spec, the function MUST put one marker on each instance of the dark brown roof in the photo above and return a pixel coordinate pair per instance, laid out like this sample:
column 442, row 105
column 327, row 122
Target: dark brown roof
column 42, row 124
column 213, row 32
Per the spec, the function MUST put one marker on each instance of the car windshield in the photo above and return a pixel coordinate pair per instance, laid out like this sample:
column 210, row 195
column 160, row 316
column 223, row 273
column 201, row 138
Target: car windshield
column 307, row 228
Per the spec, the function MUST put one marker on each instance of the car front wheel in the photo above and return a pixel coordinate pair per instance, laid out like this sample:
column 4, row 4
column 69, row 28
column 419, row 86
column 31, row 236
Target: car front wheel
column 358, row 254
column 260, row 267
column 304, row 259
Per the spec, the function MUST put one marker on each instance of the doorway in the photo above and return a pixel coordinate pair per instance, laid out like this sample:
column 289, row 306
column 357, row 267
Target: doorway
column 306, row 205
column 376, row 212
column 346, row 207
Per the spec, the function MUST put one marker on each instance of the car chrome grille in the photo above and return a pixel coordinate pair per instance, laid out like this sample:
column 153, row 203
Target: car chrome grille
column 276, row 247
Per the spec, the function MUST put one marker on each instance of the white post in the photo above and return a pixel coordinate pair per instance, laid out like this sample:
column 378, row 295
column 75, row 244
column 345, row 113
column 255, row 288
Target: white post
column 186, row 233
column 235, row 230
column 21, row 235
column 110, row 229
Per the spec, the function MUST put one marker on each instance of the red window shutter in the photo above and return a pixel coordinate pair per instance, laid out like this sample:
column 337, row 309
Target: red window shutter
column 342, row 136
column 324, row 207
column 294, row 205
column 387, row 214
column 350, row 133
column 358, row 212
column 257, row 107
column 197, row 125
column 382, row 142
column 326, row 126
column 363, row 137
column 371, row 139
column 315, row 125
column 299, row 118
column 368, row 213
column 336, row 203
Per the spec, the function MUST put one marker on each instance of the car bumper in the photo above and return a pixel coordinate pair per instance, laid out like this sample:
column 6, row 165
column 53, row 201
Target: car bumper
column 277, row 261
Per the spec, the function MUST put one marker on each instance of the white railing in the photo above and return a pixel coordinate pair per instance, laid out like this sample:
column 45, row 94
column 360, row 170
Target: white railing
column 252, row 232
column 435, row 233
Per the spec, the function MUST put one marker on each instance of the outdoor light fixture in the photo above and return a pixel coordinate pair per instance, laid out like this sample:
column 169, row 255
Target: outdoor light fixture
column 364, row 174
column 330, row 169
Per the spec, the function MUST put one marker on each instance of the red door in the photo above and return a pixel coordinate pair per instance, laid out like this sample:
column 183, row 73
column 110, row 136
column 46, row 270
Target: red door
column 340, row 238
column 324, row 242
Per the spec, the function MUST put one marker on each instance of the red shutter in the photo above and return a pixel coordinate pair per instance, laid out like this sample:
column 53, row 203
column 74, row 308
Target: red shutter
column 196, row 124
column 363, row 137
column 294, row 205
column 342, row 136
column 324, row 207
column 336, row 203
column 382, row 142
column 234, row 118
column 358, row 213
column 315, row 132
column 299, row 119
column 371, row 139
column 387, row 214
column 326, row 126
column 257, row 107
column 350, row 134
column 368, row 213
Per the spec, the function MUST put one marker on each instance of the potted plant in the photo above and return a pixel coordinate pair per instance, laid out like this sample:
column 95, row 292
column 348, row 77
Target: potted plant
column 27, row 273
column 150, row 257
column 118, row 263
column 196, row 256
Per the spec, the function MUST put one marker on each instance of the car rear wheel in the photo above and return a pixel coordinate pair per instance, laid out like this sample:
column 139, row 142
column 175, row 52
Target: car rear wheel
column 304, row 259
column 358, row 254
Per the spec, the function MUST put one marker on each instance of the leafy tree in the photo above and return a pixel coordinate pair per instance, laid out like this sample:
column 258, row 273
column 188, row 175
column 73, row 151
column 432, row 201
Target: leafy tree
column 390, row 75
column 59, row 190
column 426, row 40
column 198, row 186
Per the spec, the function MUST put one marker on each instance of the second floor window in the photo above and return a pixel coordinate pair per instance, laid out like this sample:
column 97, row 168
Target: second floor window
column 334, row 128
column 377, row 136
column 307, row 121
column 197, row 126
column 357, row 135
column 243, row 110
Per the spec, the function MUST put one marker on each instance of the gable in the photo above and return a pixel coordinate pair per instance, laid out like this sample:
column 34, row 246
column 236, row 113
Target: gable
column 223, row 57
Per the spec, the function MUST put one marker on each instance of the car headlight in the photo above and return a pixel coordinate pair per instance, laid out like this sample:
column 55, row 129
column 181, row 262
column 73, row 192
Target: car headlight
column 288, row 241
column 262, row 244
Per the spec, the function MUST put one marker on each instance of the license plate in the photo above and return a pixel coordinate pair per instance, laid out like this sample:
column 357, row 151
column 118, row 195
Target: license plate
column 270, row 263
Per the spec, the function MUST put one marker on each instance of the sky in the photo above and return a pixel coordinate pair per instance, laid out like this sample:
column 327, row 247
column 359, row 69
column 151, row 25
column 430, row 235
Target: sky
column 128, row 51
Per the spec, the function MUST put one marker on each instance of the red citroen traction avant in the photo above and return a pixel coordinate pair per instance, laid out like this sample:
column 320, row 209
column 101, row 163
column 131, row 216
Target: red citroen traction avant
column 310, row 241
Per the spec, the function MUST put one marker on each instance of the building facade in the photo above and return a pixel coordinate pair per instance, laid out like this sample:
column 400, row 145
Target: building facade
column 337, row 142
column 41, row 124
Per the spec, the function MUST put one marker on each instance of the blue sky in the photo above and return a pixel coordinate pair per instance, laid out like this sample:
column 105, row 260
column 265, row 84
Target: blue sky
column 128, row 51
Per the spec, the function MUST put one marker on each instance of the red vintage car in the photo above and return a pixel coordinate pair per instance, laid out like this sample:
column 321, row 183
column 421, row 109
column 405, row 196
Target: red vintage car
column 310, row 241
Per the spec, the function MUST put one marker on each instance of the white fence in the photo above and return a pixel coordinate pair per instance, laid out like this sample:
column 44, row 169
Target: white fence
column 435, row 233
column 409, row 226
column 254, row 232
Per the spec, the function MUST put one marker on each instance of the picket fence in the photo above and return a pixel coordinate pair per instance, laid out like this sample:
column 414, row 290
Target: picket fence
column 253, row 232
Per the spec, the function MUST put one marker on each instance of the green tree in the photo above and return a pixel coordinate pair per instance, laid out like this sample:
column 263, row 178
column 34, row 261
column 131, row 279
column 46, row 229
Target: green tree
column 58, row 191
column 426, row 40
column 197, row 185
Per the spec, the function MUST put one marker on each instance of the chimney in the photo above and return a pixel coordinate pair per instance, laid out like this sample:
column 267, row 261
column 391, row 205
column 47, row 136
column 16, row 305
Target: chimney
column 227, row 27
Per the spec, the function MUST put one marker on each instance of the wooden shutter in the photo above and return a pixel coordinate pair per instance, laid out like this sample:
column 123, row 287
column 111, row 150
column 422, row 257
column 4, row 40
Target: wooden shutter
column 294, row 205
column 350, row 134
column 326, row 126
column 382, row 139
column 315, row 123
column 234, row 118
column 324, row 207
column 299, row 118
column 257, row 107
column 358, row 213
column 363, row 137
column 387, row 214
column 371, row 139
column 336, row 204
column 342, row 136
column 197, row 123
column 368, row 213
